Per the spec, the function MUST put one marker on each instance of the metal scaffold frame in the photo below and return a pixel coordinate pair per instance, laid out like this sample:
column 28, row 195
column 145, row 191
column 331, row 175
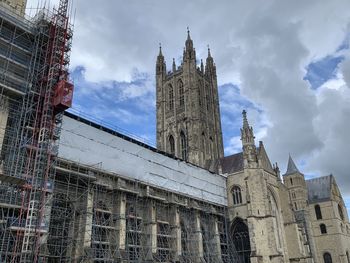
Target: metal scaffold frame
column 31, row 127
column 97, row 216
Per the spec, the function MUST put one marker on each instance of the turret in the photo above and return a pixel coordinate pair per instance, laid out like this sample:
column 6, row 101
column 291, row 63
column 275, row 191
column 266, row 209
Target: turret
column 160, row 76
column 160, row 65
column 189, row 51
column 174, row 65
column 248, row 143
column 295, row 182
column 210, row 68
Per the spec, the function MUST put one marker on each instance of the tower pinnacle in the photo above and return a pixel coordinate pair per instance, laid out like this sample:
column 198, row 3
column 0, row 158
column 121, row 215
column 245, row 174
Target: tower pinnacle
column 245, row 120
column 209, row 55
column 160, row 50
column 292, row 168
column 160, row 65
column 189, row 42
column 248, row 143
column 247, row 135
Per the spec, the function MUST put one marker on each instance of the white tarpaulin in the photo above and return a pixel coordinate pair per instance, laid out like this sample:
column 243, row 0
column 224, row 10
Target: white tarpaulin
column 88, row 145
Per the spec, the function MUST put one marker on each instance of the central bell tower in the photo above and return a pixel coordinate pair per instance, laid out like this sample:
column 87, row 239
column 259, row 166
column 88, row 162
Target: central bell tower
column 188, row 114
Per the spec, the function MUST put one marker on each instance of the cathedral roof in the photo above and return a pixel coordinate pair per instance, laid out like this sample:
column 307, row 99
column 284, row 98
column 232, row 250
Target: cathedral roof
column 292, row 168
column 232, row 163
column 319, row 189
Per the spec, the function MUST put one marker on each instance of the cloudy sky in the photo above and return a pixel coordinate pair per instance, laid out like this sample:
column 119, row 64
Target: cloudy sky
column 286, row 62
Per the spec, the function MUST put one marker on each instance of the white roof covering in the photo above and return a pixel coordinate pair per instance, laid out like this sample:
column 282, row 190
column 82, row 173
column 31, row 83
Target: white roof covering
column 88, row 145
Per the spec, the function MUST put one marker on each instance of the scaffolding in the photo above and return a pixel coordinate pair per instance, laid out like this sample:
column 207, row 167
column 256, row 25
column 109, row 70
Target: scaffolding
column 98, row 216
column 34, row 58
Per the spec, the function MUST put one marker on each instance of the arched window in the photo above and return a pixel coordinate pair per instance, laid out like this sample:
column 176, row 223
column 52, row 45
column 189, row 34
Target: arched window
column 327, row 258
column 236, row 195
column 171, row 145
column 181, row 93
column 171, row 98
column 340, row 210
column 347, row 256
column 240, row 240
column 318, row 212
column 183, row 146
column 323, row 229
column 291, row 181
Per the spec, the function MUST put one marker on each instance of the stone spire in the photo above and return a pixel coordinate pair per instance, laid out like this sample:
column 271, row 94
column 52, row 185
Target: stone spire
column 160, row 65
column 189, row 51
column 247, row 135
column 160, row 54
column 292, row 168
column 209, row 55
column 277, row 171
column 174, row 65
column 210, row 69
column 249, row 149
column 210, row 60
column 189, row 42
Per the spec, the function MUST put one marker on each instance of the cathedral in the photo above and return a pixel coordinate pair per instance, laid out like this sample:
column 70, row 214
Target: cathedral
column 73, row 190
column 282, row 218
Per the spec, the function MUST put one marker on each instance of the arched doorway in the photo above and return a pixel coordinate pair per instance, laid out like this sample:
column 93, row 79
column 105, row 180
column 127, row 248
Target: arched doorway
column 240, row 240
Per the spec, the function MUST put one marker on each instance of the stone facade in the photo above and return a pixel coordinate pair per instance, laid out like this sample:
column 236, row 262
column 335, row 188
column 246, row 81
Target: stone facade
column 271, row 220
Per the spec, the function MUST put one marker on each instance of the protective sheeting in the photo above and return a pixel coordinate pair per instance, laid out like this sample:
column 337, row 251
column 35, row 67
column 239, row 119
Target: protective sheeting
column 319, row 189
column 88, row 145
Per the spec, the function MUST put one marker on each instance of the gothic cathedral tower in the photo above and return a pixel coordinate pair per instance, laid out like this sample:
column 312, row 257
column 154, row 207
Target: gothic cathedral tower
column 188, row 114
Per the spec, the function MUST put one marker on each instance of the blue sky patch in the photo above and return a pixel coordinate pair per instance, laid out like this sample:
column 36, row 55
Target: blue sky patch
column 129, row 105
column 320, row 71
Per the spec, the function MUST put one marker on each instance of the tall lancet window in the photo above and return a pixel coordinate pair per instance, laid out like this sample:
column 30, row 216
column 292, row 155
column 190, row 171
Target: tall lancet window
column 318, row 212
column 171, row 145
column 171, row 98
column 183, row 146
column 181, row 93
column 237, row 195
